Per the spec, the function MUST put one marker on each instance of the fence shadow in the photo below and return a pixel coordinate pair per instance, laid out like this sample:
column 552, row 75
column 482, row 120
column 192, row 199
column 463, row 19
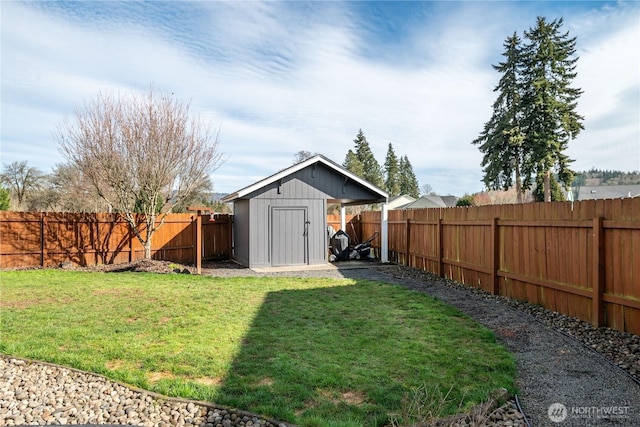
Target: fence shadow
column 48, row 239
column 315, row 351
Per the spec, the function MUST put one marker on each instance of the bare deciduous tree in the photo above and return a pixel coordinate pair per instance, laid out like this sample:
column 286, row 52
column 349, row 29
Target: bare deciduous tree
column 73, row 190
column 301, row 156
column 143, row 153
column 427, row 190
column 21, row 178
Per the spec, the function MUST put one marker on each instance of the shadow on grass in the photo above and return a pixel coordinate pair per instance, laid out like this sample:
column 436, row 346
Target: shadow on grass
column 347, row 355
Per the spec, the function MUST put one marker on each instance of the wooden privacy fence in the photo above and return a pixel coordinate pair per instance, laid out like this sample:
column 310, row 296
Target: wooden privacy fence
column 29, row 239
column 352, row 225
column 580, row 259
column 360, row 228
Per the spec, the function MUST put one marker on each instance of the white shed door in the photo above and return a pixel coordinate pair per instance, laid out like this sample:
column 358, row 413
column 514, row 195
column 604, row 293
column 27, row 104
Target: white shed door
column 289, row 236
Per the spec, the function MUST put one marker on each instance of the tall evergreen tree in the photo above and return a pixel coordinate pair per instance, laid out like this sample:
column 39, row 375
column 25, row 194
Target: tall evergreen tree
column 557, row 195
column 352, row 164
column 534, row 116
column 372, row 172
column 549, row 102
column 501, row 141
column 392, row 171
column 5, row 199
column 408, row 182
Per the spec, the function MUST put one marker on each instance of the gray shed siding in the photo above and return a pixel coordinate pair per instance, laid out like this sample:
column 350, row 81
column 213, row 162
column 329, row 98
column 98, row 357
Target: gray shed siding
column 260, row 217
column 317, row 182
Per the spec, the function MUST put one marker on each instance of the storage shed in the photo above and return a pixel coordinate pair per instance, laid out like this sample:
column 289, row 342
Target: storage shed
column 282, row 219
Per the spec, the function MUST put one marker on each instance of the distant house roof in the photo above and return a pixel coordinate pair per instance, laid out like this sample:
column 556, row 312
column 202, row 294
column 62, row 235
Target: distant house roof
column 377, row 195
column 399, row 202
column 450, row 201
column 591, row 192
column 431, row 202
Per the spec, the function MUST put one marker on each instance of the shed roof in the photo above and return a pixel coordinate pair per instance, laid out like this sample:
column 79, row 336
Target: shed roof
column 378, row 195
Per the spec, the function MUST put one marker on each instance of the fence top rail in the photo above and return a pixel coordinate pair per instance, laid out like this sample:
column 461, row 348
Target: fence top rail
column 467, row 222
column 588, row 223
column 414, row 222
column 635, row 225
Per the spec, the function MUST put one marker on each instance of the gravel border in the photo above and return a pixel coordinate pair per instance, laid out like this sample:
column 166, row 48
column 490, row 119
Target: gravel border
column 37, row 393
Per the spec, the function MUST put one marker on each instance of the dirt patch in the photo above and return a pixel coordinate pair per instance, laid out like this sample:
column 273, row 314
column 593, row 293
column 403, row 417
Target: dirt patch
column 113, row 365
column 143, row 266
column 268, row 382
column 353, row 398
column 349, row 397
column 154, row 377
column 210, row 381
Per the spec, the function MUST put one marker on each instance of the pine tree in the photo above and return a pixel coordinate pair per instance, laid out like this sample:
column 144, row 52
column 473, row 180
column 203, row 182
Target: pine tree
column 534, row 116
column 501, row 141
column 5, row 199
column 392, row 171
column 408, row 182
column 372, row 172
column 557, row 195
column 549, row 103
column 352, row 164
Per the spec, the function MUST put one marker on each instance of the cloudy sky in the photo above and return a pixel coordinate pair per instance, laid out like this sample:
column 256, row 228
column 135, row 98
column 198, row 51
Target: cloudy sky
column 280, row 77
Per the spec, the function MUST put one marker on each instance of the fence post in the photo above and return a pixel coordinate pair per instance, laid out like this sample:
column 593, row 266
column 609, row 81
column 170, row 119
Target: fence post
column 408, row 248
column 440, row 249
column 43, row 249
column 198, row 243
column 230, row 235
column 597, row 314
column 495, row 257
column 131, row 235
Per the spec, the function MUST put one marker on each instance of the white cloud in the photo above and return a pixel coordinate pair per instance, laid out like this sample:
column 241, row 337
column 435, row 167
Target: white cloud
column 279, row 77
column 609, row 75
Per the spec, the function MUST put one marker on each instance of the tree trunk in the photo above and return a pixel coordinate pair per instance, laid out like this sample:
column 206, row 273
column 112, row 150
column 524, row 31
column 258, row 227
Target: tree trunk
column 547, row 186
column 518, row 185
column 147, row 249
column 150, row 219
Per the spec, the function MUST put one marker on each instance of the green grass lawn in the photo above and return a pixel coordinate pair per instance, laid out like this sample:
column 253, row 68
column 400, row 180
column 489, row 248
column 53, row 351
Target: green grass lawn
column 316, row 352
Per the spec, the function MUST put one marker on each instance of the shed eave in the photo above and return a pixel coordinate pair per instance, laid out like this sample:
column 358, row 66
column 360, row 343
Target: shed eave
column 229, row 197
column 299, row 166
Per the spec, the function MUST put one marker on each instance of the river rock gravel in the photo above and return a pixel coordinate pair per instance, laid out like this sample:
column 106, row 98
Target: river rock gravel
column 33, row 393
